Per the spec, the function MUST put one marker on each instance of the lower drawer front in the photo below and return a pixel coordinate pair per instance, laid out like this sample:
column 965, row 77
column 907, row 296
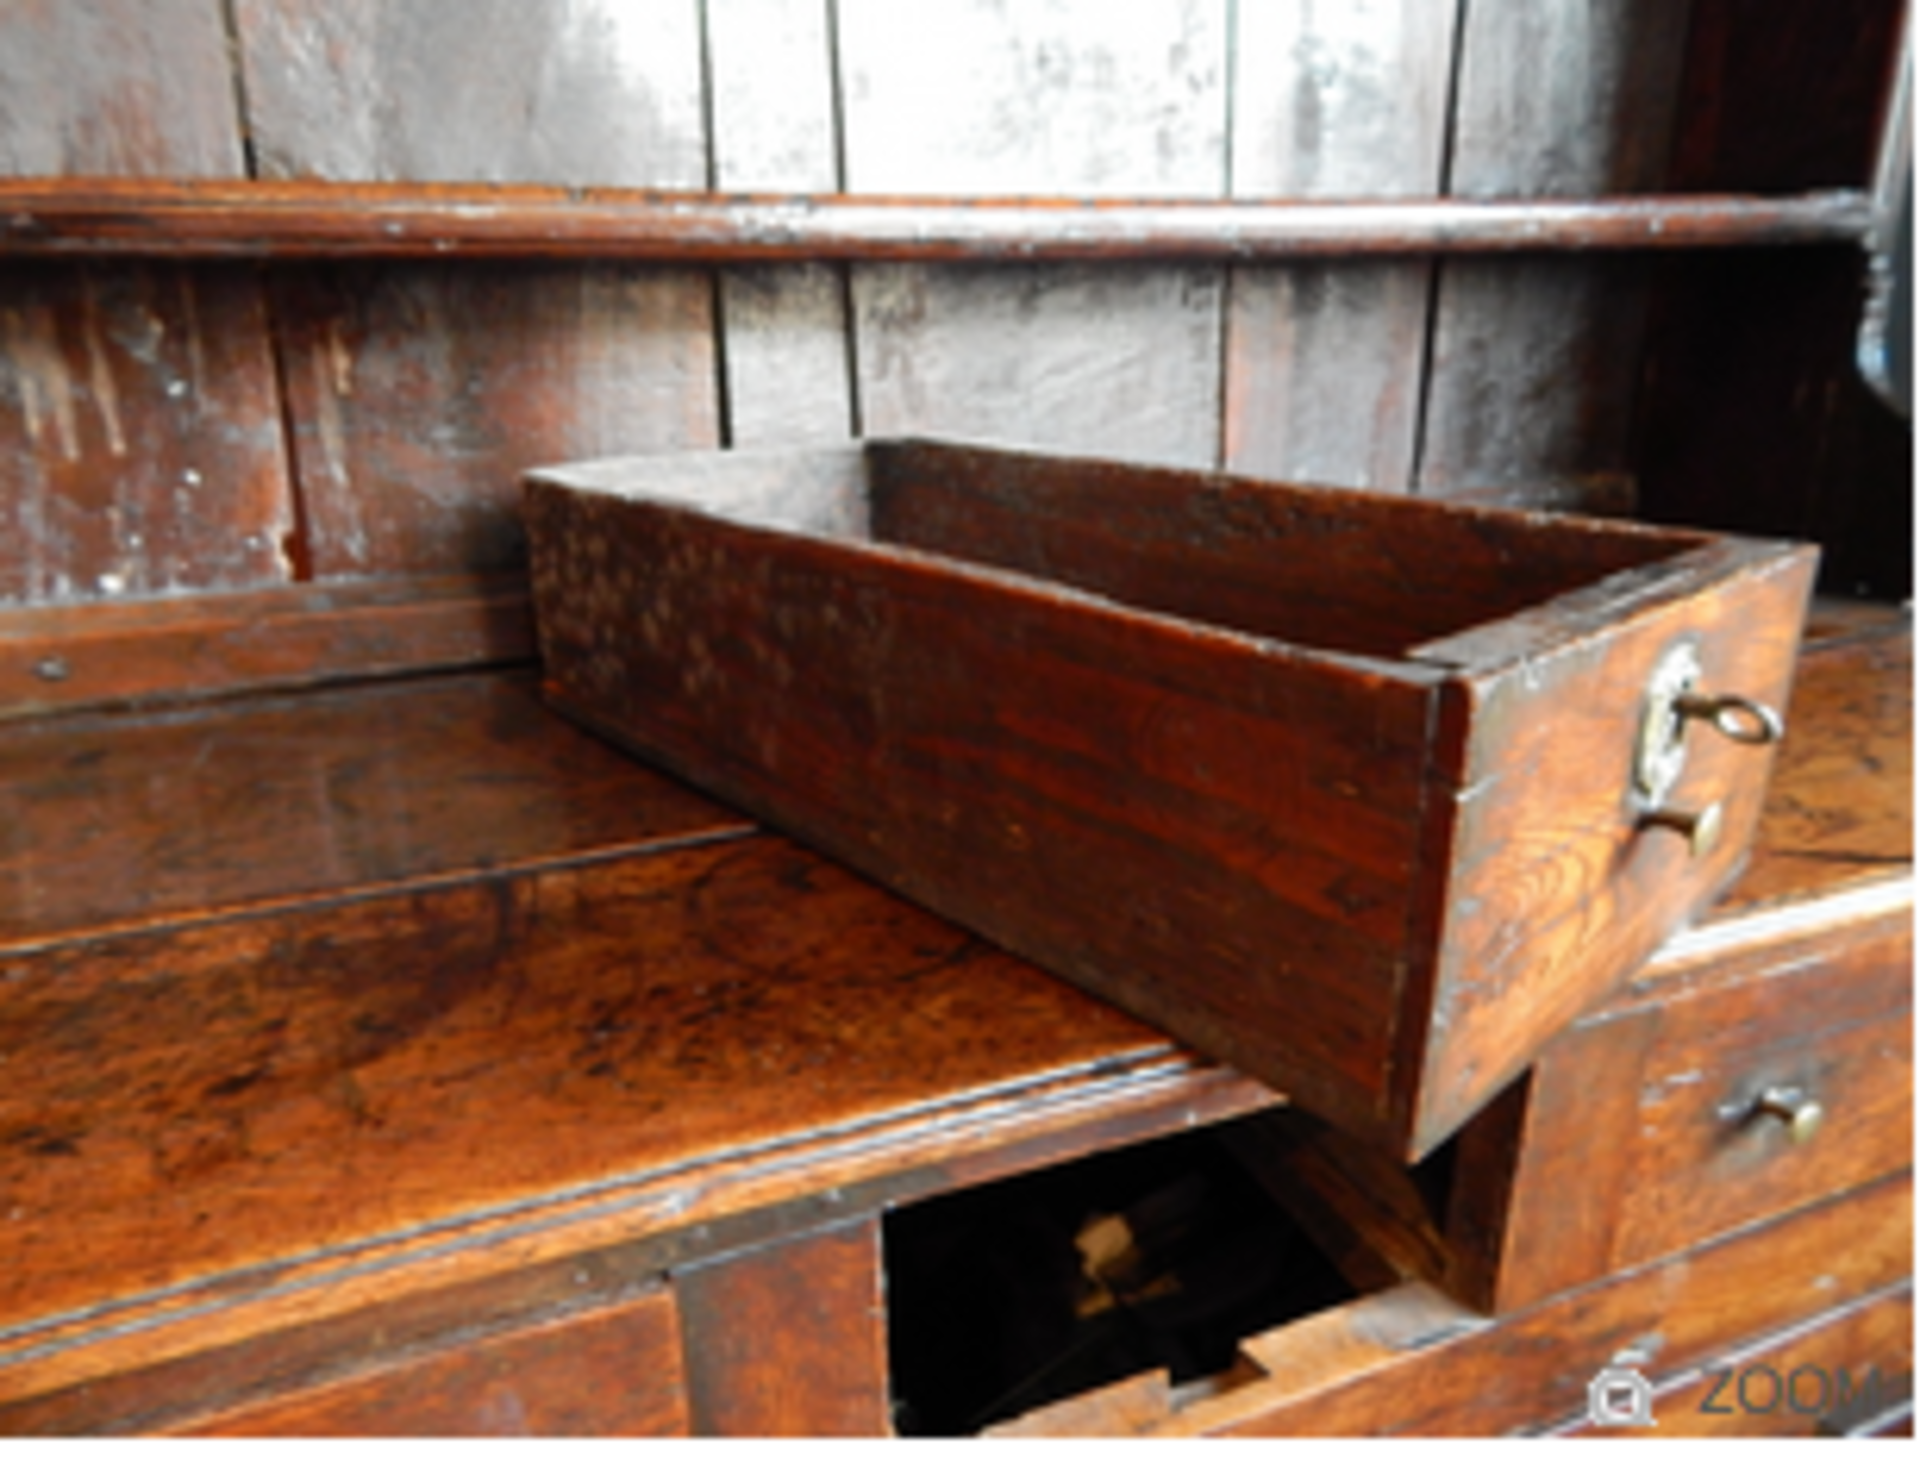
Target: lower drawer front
column 1409, row 1361
column 613, row 1372
column 1843, row 1374
column 1706, row 1103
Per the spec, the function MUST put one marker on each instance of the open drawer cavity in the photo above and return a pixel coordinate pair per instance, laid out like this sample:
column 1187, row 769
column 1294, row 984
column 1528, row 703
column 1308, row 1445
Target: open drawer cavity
column 1365, row 796
column 1120, row 1292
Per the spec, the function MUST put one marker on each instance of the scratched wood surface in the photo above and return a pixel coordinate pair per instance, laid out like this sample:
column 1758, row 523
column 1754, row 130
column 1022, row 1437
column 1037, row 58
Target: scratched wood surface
column 417, row 393
column 139, row 423
column 1535, row 362
column 1081, row 97
column 562, row 1027
column 1323, row 364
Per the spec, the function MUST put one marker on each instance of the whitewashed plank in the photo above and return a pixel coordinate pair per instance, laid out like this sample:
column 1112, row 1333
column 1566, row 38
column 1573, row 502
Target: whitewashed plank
column 1324, row 361
column 1535, row 361
column 417, row 393
column 139, row 420
column 577, row 92
column 1052, row 97
column 775, row 129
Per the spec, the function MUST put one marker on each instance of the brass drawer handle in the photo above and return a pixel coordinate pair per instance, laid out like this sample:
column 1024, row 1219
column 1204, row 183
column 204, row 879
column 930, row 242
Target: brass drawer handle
column 1701, row 827
column 1674, row 700
column 1740, row 719
column 1798, row 1109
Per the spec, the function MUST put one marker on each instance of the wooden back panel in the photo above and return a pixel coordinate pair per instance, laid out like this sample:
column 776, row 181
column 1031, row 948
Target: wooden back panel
column 416, row 393
column 139, row 418
column 189, row 429
column 1329, row 569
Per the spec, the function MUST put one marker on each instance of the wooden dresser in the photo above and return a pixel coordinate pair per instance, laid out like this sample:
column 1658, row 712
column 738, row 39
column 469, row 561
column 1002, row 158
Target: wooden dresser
column 445, row 1071
column 383, row 1054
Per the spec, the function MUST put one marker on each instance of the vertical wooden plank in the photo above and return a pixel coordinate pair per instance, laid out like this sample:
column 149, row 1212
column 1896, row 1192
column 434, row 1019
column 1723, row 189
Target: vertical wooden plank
column 1755, row 417
column 417, row 394
column 139, row 423
column 776, row 129
column 1324, row 361
column 790, row 1340
column 1046, row 96
column 1535, row 361
column 121, row 88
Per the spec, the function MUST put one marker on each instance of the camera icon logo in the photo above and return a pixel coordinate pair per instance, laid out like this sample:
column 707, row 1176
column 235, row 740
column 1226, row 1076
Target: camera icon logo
column 1621, row 1395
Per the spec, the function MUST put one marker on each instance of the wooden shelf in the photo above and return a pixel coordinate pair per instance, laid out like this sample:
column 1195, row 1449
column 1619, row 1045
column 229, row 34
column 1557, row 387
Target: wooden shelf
column 120, row 217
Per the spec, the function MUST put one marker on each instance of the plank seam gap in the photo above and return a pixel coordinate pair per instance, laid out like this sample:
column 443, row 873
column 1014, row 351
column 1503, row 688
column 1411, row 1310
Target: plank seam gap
column 716, row 279
column 242, row 104
column 295, row 546
column 336, row 898
column 1223, row 342
column 849, row 317
column 1449, row 133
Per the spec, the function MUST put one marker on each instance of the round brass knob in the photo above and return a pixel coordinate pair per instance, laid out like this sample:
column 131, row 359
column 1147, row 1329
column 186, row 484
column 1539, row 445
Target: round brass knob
column 1700, row 827
column 1795, row 1107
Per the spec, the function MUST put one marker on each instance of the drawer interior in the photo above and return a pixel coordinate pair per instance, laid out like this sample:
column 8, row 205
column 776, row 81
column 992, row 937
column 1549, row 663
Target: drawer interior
column 1160, row 1257
column 1313, row 567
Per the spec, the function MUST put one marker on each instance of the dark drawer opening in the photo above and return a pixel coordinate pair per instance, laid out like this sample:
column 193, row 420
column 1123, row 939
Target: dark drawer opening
column 1161, row 1256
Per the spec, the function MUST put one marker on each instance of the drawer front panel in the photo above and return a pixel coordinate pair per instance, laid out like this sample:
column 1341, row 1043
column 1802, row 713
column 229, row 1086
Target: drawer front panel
column 1736, row 1132
column 1775, row 1080
column 1567, row 868
column 1831, row 1377
column 615, row 1372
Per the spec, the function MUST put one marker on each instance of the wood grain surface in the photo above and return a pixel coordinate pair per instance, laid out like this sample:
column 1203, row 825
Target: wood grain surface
column 635, row 1020
column 1840, row 801
column 878, row 747
column 813, row 1032
column 1755, row 416
column 308, row 218
column 198, row 813
column 117, row 88
column 1651, row 1105
column 1558, row 888
column 70, row 657
column 789, row 1340
column 1818, row 1379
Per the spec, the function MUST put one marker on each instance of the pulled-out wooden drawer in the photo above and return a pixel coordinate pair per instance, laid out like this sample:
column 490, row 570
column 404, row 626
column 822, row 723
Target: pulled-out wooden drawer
column 1367, row 797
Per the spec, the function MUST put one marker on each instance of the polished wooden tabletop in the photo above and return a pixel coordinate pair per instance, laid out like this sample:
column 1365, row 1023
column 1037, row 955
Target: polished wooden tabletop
column 308, row 990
